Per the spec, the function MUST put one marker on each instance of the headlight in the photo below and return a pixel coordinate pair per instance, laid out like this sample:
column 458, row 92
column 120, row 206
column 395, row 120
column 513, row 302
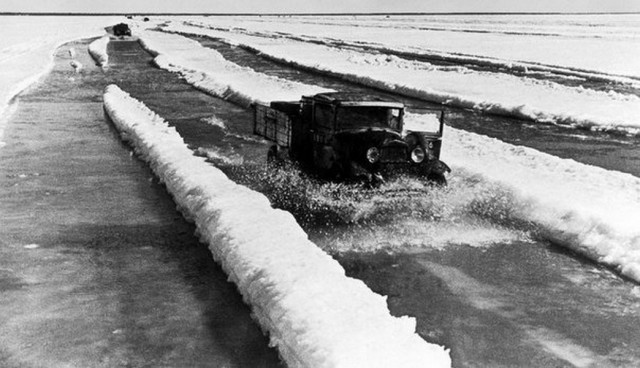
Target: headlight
column 417, row 155
column 373, row 155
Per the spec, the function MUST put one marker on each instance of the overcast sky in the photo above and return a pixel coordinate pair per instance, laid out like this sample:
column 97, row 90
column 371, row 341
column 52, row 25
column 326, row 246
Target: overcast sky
column 315, row 6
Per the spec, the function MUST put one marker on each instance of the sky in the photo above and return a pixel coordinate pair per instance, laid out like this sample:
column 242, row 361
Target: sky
column 317, row 6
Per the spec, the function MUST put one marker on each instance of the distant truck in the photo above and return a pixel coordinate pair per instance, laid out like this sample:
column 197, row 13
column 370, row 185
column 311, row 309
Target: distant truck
column 350, row 136
column 121, row 29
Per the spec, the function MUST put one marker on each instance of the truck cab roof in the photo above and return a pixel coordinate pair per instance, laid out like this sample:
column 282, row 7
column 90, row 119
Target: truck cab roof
column 354, row 99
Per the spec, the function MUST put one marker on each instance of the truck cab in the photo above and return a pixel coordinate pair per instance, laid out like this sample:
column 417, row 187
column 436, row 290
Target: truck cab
column 349, row 136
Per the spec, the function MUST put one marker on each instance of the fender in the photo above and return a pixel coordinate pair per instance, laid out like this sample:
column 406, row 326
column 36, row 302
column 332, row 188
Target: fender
column 438, row 167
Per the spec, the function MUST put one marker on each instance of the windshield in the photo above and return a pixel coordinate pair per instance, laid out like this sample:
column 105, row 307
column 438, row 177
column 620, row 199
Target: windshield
column 354, row 117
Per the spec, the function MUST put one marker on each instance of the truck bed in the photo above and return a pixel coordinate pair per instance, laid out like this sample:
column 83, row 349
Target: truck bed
column 272, row 125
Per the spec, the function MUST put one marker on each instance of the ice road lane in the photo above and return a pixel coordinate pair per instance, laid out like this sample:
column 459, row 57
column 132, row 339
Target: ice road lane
column 509, row 305
column 97, row 269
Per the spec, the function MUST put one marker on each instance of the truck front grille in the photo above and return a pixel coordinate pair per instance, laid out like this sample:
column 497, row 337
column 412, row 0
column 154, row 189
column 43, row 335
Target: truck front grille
column 393, row 154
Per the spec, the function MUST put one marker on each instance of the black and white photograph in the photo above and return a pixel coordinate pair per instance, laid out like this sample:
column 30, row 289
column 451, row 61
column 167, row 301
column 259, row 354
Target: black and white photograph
column 319, row 184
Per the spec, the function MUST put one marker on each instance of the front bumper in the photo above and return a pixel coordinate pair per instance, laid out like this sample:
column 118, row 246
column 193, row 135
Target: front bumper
column 387, row 170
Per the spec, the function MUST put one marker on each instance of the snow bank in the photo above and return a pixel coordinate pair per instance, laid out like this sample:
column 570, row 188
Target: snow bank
column 590, row 210
column 315, row 315
column 501, row 93
column 206, row 69
column 98, row 50
column 585, row 208
column 569, row 43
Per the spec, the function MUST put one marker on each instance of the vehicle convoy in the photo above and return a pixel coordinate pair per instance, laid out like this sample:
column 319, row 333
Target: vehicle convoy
column 350, row 136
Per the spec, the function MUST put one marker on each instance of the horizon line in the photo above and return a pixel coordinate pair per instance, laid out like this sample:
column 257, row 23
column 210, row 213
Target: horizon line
column 306, row 14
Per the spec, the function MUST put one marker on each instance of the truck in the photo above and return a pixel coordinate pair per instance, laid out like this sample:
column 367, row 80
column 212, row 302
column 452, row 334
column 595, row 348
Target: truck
column 350, row 136
column 121, row 30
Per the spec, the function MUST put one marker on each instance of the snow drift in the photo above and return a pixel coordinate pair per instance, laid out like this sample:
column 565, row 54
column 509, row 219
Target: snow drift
column 596, row 44
column 98, row 50
column 208, row 70
column 588, row 209
column 500, row 93
column 315, row 315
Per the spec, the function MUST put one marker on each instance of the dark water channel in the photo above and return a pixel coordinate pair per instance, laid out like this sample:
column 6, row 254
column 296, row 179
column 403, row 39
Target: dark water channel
column 506, row 301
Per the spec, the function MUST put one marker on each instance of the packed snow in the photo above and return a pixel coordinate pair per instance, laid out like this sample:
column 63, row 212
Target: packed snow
column 315, row 315
column 588, row 209
column 98, row 50
column 197, row 64
column 600, row 44
column 27, row 46
column 502, row 93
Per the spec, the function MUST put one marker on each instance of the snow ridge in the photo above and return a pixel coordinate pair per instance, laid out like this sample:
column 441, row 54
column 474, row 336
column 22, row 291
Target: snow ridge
column 580, row 47
column 98, row 50
column 413, row 52
column 499, row 93
column 588, row 209
column 206, row 69
column 315, row 315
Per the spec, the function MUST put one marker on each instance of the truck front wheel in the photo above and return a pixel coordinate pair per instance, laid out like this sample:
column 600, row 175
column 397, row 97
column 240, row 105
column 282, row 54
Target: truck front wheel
column 272, row 154
column 275, row 156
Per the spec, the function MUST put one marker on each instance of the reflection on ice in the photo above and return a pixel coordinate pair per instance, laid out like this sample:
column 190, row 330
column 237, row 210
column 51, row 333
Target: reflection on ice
column 495, row 300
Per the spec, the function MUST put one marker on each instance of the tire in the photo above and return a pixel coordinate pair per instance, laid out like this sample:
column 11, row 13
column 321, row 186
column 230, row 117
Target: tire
column 276, row 157
column 273, row 158
column 272, row 155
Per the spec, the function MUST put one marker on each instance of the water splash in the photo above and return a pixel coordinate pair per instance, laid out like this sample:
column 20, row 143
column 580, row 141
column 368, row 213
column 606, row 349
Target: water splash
column 404, row 213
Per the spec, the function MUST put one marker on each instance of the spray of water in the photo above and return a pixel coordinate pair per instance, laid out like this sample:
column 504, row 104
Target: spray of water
column 405, row 212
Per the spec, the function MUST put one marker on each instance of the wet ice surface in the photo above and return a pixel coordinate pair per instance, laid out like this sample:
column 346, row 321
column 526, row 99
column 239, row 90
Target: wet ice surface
column 516, row 304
